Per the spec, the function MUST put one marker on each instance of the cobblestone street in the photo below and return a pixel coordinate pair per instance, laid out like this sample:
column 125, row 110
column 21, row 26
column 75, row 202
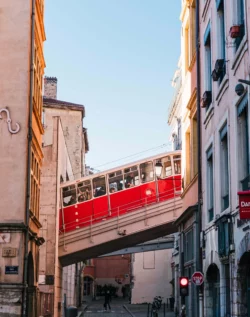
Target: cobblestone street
column 96, row 309
column 121, row 307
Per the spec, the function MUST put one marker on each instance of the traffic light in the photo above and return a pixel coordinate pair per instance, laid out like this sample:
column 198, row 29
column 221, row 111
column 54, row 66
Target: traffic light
column 184, row 286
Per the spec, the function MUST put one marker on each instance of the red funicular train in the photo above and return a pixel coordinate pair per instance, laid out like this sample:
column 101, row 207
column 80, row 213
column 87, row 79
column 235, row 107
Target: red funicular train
column 119, row 190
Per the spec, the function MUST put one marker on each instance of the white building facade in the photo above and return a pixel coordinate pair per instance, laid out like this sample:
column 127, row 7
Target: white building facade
column 224, row 33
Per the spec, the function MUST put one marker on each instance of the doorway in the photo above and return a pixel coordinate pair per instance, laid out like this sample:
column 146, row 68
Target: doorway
column 88, row 286
column 244, row 284
column 213, row 278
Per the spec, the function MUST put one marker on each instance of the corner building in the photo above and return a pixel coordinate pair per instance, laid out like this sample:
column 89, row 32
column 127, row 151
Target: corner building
column 21, row 74
column 224, row 33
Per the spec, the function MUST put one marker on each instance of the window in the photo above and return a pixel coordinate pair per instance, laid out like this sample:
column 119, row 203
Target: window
column 115, row 181
column 99, row 186
column 243, row 143
column 224, row 170
column 179, row 134
column 187, row 46
column 240, row 20
column 84, row 191
column 131, row 177
column 208, row 61
column 147, row 172
column 224, row 236
column 188, row 157
column 221, row 39
column 69, row 195
column 188, row 246
column 166, row 167
column 194, row 146
column 35, row 185
column 210, row 185
column 38, row 80
column 177, row 164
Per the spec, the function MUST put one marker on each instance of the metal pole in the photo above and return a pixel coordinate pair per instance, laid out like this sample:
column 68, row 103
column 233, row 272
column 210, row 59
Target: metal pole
column 164, row 307
column 148, row 309
column 198, row 260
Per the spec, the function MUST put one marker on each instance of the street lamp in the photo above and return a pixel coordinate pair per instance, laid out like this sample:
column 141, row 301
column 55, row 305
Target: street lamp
column 158, row 168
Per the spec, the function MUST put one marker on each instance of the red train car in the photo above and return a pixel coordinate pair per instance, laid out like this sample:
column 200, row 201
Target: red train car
column 119, row 190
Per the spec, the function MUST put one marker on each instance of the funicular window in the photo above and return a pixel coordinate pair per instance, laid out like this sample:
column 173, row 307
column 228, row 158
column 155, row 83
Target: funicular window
column 166, row 167
column 115, row 181
column 131, row 176
column 147, row 172
column 177, row 164
column 69, row 195
column 84, row 191
column 99, row 186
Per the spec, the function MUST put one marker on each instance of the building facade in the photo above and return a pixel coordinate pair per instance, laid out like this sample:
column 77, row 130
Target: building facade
column 183, row 120
column 224, row 33
column 21, row 72
column 151, row 276
column 64, row 146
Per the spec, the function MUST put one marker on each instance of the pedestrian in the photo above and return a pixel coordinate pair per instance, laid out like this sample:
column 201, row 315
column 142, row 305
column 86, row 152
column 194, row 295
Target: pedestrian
column 107, row 300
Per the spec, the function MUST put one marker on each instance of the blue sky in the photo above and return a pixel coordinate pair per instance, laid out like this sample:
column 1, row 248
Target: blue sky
column 117, row 57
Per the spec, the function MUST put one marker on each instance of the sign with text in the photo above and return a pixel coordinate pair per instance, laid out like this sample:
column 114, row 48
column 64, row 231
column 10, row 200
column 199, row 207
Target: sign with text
column 244, row 204
column 11, row 269
column 197, row 278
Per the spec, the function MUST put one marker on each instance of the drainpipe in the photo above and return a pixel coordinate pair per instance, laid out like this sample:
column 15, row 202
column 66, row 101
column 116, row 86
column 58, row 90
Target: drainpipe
column 26, row 251
column 198, row 262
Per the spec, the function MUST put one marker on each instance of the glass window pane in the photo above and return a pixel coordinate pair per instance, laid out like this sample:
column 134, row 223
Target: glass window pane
column 84, row 191
column 99, row 186
column 177, row 164
column 131, row 176
column 115, row 181
column 69, row 195
column 147, row 172
column 166, row 167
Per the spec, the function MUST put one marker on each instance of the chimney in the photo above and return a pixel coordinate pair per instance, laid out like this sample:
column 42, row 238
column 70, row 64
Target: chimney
column 50, row 87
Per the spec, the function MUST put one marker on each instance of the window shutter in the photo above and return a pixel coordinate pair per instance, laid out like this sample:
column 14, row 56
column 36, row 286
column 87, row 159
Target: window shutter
column 218, row 3
column 242, row 105
column 223, row 132
column 207, row 33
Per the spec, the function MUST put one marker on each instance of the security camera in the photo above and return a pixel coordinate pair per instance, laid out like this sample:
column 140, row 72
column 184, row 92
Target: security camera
column 239, row 89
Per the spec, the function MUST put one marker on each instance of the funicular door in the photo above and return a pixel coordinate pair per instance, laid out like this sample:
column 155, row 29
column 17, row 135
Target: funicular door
column 148, row 186
column 85, row 203
column 166, row 180
column 100, row 201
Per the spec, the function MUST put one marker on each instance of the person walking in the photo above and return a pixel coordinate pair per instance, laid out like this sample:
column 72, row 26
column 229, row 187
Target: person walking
column 107, row 300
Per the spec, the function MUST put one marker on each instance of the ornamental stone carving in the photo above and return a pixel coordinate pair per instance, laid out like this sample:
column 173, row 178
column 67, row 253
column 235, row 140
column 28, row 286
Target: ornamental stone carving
column 9, row 121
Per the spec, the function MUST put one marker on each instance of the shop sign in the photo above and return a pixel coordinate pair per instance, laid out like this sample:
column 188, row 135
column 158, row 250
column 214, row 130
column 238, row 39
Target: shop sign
column 244, row 204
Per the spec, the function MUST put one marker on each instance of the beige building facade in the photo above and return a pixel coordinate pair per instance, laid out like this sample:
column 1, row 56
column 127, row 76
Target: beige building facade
column 21, row 72
column 64, row 146
column 183, row 120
